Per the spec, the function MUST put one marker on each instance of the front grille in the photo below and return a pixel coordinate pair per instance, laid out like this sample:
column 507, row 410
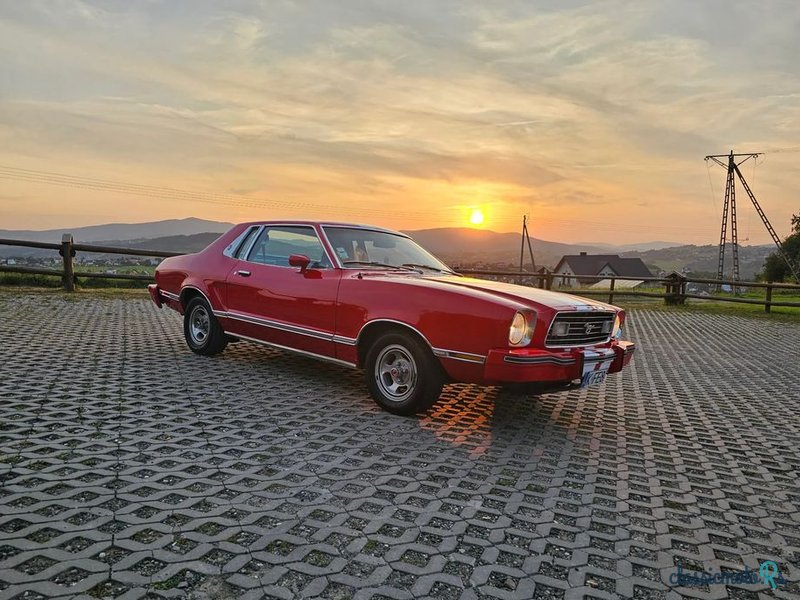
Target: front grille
column 580, row 329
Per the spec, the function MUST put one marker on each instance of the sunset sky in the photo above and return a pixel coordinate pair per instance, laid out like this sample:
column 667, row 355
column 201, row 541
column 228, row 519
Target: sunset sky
column 591, row 117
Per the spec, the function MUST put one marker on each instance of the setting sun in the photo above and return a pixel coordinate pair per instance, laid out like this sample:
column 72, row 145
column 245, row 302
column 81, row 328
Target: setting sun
column 476, row 218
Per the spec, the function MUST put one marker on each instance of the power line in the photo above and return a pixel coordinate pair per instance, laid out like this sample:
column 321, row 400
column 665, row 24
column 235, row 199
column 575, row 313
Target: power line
column 64, row 180
column 443, row 214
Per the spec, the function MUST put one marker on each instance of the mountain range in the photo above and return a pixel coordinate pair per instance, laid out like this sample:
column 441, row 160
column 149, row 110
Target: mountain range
column 455, row 245
column 121, row 231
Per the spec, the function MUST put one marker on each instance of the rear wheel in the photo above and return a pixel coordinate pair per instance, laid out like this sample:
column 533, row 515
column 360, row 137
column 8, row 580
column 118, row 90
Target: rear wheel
column 403, row 375
column 201, row 329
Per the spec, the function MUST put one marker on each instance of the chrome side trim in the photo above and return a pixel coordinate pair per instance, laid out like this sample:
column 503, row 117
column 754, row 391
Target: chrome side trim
column 458, row 355
column 532, row 360
column 314, row 333
column 169, row 295
column 338, row 339
column 346, row 341
column 337, row 361
column 438, row 352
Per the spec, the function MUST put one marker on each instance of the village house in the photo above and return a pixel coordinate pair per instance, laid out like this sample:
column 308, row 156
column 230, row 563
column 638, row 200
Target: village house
column 576, row 270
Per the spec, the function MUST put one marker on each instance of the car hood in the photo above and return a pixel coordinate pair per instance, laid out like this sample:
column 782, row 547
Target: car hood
column 527, row 294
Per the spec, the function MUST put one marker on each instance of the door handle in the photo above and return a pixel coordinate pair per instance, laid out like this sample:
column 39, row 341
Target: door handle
column 243, row 273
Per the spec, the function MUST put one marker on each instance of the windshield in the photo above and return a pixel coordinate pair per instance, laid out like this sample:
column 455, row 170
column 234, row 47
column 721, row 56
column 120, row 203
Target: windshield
column 359, row 248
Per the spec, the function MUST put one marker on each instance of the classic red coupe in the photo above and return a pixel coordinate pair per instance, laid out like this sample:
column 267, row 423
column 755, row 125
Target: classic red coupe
column 372, row 298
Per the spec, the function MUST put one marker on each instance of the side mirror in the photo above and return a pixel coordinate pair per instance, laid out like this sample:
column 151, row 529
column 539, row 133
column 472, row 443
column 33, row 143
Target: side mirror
column 299, row 260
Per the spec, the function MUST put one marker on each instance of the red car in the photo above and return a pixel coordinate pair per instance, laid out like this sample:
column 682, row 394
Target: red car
column 372, row 298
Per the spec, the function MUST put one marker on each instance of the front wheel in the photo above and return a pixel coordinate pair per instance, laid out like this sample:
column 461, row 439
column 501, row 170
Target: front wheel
column 203, row 333
column 403, row 375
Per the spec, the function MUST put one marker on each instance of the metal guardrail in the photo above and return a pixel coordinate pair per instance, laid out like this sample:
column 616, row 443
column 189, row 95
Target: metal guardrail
column 674, row 293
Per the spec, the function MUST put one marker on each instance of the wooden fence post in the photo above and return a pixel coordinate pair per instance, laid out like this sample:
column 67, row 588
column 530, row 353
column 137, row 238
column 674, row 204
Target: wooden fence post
column 68, row 252
column 676, row 288
column 768, row 301
column 611, row 291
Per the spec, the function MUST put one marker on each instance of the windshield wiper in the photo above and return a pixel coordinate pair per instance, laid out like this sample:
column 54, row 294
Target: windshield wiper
column 372, row 263
column 431, row 267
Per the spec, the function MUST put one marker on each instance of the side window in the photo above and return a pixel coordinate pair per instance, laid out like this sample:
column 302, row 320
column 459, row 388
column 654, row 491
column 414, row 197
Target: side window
column 276, row 243
column 245, row 243
column 238, row 246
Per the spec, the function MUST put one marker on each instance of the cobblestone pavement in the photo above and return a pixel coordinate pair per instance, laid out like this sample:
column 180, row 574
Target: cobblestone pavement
column 131, row 467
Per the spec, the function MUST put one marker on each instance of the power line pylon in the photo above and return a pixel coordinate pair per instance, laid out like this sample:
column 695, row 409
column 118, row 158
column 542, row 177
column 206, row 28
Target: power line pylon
column 526, row 237
column 729, row 207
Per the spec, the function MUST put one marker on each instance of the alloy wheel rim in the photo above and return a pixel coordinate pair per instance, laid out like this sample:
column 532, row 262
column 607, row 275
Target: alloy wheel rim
column 396, row 373
column 199, row 325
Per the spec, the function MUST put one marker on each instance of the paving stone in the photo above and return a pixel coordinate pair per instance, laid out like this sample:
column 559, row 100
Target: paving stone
column 136, row 469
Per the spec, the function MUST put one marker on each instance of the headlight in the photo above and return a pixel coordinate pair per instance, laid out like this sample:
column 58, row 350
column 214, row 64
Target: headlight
column 521, row 329
column 617, row 331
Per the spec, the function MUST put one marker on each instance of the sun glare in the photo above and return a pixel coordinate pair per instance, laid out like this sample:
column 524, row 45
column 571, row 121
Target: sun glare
column 476, row 218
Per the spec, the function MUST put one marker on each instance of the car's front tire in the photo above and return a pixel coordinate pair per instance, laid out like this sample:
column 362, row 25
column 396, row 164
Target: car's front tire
column 403, row 375
column 203, row 333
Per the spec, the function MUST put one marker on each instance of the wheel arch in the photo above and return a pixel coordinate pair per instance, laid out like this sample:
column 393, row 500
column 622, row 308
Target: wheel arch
column 372, row 330
column 188, row 292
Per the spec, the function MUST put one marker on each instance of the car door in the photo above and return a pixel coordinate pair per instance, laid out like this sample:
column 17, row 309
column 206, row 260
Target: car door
column 272, row 301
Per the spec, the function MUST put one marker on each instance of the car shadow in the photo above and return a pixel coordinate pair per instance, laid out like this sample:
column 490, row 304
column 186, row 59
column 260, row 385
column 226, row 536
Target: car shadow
column 473, row 420
column 483, row 420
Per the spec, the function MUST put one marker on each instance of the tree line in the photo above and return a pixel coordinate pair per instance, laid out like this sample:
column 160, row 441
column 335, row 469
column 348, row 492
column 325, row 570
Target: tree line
column 775, row 268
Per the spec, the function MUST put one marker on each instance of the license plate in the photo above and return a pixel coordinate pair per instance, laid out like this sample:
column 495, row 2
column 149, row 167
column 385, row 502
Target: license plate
column 593, row 378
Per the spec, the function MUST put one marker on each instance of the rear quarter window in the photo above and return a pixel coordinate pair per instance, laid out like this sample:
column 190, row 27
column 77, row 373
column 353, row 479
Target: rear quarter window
column 239, row 246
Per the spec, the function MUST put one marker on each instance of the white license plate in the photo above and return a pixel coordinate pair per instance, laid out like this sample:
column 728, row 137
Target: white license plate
column 594, row 378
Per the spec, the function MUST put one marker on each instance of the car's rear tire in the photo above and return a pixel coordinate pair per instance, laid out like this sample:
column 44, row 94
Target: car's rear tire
column 403, row 375
column 203, row 333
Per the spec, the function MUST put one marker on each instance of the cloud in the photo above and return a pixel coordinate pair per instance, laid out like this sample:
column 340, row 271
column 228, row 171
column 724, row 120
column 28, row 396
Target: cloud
column 581, row 105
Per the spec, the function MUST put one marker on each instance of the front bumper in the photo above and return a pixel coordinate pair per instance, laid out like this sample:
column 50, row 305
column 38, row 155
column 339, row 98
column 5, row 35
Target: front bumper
column 522, row 365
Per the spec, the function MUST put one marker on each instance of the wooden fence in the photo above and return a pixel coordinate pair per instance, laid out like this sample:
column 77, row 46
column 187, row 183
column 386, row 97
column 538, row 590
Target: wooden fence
column 675, row 285
column 68, row 248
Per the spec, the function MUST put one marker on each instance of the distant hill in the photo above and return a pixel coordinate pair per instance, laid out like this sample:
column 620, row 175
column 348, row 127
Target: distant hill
column 455, row 245
column 171, row 243
column 704, row 259
column 642, row 247
column 464, row 245
column 121, row 231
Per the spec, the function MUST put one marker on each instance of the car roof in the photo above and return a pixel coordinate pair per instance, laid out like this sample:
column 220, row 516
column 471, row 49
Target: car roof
column 325, row 224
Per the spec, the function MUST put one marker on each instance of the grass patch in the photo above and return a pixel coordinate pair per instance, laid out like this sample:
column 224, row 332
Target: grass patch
column 711, row 306
column 750, row 311
column 28, row 280
column 80, row 293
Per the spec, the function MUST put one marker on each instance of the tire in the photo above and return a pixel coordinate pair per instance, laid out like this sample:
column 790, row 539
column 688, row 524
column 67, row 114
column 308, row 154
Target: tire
column 403, row 375
column 203, row 333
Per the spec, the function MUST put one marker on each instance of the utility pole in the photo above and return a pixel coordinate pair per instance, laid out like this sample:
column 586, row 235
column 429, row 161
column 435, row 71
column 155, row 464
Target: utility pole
column 526, row 237
column 731, row 165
